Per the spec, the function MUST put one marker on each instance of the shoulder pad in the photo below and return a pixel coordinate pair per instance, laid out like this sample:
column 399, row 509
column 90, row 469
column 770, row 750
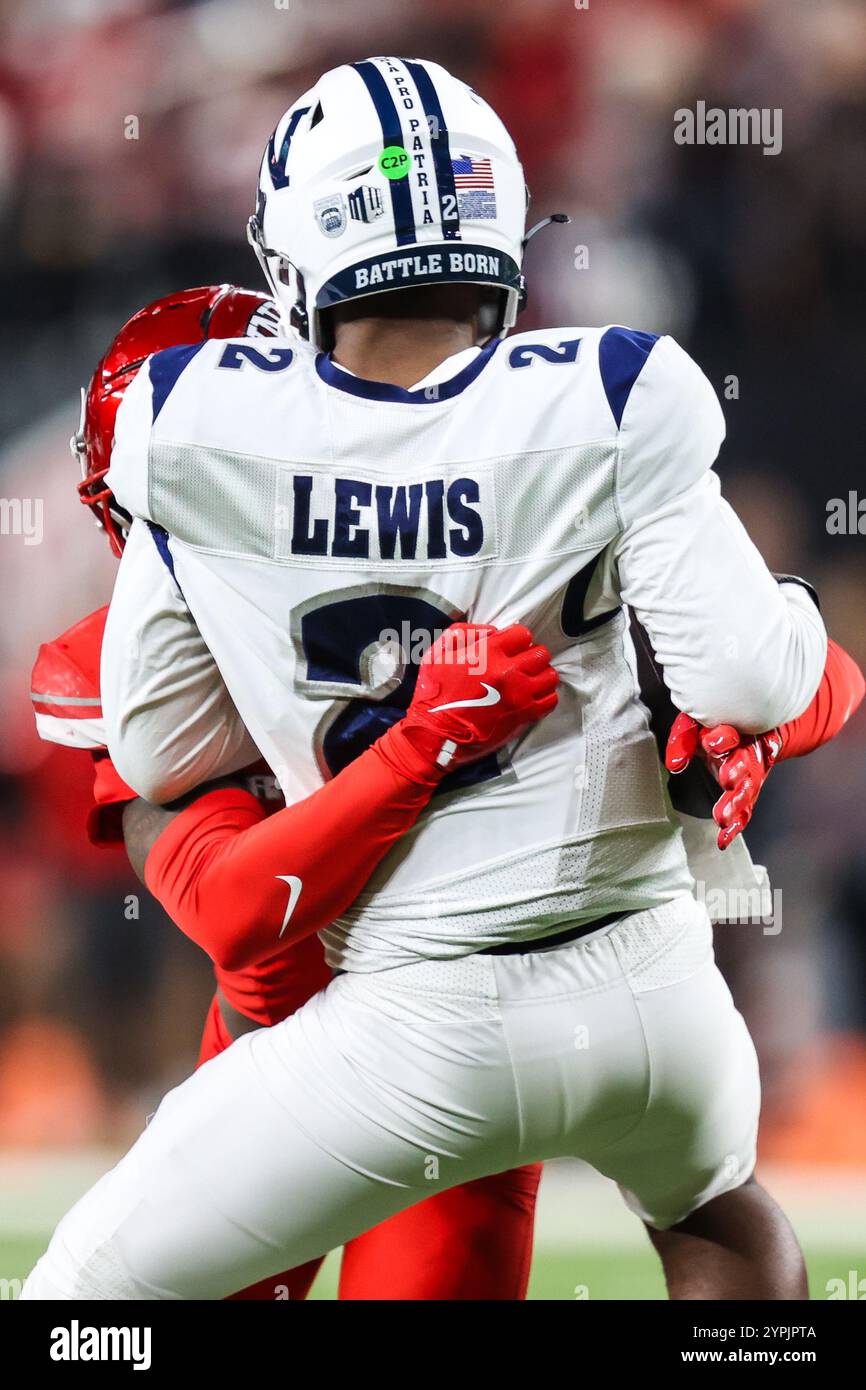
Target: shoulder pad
column 65, row 685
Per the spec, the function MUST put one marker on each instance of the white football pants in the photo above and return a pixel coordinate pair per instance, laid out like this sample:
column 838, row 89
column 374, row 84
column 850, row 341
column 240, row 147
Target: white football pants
column 623, row 1049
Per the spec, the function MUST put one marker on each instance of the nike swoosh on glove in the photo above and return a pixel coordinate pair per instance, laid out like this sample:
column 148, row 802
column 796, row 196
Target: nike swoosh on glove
column 477, row 687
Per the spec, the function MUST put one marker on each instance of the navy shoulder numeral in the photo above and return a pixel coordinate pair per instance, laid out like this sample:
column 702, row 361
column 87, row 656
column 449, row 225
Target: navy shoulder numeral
column 526, row 353
column 274, row 360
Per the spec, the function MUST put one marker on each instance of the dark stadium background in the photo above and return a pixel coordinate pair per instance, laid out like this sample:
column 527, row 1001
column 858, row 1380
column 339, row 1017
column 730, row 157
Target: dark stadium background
column 756, row 263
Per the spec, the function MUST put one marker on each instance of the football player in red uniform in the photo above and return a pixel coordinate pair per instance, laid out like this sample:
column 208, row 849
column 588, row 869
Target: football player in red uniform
column 471, row 1242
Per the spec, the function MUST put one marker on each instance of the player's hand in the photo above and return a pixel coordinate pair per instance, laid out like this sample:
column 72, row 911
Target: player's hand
column 477, row 688
column 740, row 764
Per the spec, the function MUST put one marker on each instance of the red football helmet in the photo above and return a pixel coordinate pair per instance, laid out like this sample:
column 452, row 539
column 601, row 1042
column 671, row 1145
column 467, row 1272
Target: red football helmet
column 190, row 316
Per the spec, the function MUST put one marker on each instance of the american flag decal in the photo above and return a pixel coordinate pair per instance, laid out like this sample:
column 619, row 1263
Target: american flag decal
column 472, row 173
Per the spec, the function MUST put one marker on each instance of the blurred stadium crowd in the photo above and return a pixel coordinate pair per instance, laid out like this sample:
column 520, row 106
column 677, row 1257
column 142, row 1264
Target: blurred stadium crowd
column 756, row 263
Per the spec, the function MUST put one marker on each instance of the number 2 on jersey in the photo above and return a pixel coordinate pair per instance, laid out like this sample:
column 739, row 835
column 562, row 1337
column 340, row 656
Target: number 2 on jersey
column 363, row 650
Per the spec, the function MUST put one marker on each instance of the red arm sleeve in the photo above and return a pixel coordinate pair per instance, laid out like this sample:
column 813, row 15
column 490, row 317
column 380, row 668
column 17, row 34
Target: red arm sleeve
column 110, row 795
column 244, row 887
column 837, row 697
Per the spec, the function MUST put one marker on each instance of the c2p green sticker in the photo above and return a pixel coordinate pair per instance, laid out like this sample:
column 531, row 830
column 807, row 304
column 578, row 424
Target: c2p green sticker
column 394, row 162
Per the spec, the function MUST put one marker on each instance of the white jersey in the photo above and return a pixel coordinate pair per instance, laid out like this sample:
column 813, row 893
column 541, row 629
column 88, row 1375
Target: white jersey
column 321, row 529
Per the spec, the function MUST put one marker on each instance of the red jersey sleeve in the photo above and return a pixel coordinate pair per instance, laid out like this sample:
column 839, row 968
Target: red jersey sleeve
column 245, row 886
column 837, row 697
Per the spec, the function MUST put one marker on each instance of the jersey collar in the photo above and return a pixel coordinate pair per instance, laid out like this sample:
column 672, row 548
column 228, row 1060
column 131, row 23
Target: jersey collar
column 428, row 392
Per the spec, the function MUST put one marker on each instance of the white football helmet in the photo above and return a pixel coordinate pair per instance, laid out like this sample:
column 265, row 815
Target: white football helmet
column 389, row 173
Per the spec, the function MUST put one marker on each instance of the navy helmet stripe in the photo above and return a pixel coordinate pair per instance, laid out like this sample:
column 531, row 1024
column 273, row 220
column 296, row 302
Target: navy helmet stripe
column 441, row 151
column 392, row 134
column 277, row 165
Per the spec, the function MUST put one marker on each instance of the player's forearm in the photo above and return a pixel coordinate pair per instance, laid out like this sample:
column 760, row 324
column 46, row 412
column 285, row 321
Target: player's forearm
column 244, row 887
column 735, row 645
column 839, row 694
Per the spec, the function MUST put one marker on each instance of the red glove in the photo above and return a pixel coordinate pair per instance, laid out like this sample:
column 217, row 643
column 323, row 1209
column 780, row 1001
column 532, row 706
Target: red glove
column 244, row 887
column 739, row 764
column 477, row 687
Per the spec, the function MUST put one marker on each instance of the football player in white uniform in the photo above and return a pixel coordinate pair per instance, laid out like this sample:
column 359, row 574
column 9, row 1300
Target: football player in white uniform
column 529, row 973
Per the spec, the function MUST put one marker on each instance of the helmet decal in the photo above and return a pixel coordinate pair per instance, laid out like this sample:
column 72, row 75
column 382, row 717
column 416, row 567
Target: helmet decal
column 366, row 204
column 277, row 163
column 331, row 215
column 394, row 162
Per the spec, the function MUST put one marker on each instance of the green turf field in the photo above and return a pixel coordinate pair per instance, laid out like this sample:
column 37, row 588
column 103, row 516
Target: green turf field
column 600, row 1274
column 587, row 1245
column 595, row 1274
